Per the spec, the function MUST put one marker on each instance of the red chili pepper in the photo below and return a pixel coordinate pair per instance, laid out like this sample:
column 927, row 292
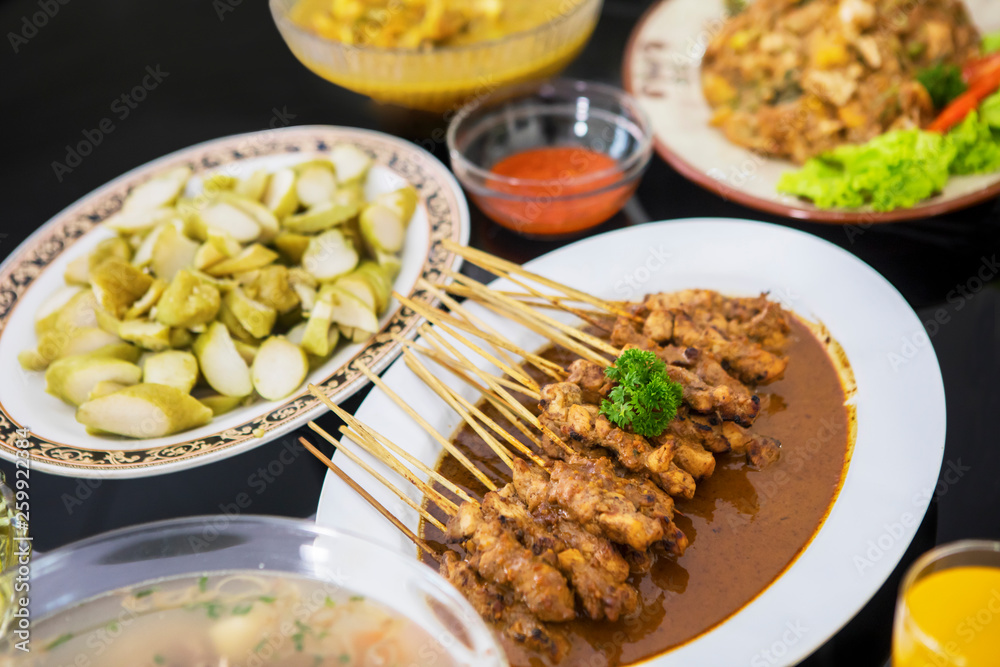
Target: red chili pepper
column 967, row 102
column 976, row 68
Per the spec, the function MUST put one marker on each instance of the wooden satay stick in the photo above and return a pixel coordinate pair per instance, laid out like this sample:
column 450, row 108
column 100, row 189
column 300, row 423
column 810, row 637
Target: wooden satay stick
column 504, row 395
column 365, row 439
column 495, row 264
column 457, row 309
column 370, row 499
column 382, row 480
column 441, row 390
column 410, row 458
column 441, row 440
column 558, row 304
column 555, row 336
column 515, row 305
column 402, row 453
column 450, row 323
column 502, row 408
column 486, row 392
column 499, row 430
column 455, row 365
column 471, row 318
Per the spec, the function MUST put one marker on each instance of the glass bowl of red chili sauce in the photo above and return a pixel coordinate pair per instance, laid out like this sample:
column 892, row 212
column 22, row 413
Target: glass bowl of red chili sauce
column 550, row 159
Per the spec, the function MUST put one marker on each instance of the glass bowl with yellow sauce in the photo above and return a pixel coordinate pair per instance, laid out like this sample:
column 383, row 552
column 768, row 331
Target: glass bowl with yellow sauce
column 434, row 55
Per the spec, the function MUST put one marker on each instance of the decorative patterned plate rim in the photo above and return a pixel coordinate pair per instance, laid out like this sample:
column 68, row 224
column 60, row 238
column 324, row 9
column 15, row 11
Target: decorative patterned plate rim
column 802, row 211
column 20, row 269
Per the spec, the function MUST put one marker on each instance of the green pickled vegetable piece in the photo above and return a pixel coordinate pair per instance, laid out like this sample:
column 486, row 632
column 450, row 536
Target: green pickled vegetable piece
column 73, row 378
column 402, row 201
column 221, row 363
column 153, row 336
column 172, row 252
column 316, row 337
column 117, row 285
column 292, row 246
column 147, row 300
column 329, row 255
column 175, row 368
column 280, row 196
column 271, row 286
column 315, row 184
column 220, row 404
column 279, row 368
column 188, row 301
column 382, row 229
column 253, row 186
column 350, row 162
column 157, row 192
column 255, row 317
column 144, row 411
column 252, row 257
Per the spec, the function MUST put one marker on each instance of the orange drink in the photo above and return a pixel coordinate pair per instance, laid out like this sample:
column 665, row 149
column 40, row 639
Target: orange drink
column 948, row 613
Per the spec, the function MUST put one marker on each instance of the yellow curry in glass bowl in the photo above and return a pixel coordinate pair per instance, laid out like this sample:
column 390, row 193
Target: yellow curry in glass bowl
column 434, row 54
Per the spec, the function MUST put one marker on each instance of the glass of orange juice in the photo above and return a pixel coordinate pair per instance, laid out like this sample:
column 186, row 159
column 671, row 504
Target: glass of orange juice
column 948, row 612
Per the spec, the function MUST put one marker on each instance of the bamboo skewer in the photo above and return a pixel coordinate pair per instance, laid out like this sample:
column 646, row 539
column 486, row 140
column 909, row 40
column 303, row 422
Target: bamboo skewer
column 442, row 390
column 380, row 478
column 496, row 387
column 444, row 442
column 553, row 302
column 513, row 305
column 410, row 458
column 369, row 498
column 448, row 323
column 486, row 419
column 365, row 439
column 459, row 309
column 456, row 365
column 554, row 336
column 502, row 267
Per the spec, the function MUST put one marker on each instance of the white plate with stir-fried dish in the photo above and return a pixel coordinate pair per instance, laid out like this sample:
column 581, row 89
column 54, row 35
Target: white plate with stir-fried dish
column 174, row 316
column 720, row 497
column 845, row 111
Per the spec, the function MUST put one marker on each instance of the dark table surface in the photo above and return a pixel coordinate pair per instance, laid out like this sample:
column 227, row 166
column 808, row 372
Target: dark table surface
column 225, row 70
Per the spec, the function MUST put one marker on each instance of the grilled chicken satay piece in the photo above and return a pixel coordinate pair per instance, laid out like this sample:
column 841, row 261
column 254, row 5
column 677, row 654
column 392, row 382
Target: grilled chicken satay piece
column 707, row 386
column 595, row 569
column 725, row 437
column 502, row 608
column 591, row 493
column 750, row 362
column 564, row 412
column 757, row 318
column 494, row 551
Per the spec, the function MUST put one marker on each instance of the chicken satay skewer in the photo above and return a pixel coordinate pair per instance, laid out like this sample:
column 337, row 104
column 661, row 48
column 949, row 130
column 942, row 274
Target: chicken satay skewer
column 502, row 267
column 450, row 323
column 470, row 410
column 370, row 499
column 339, row 444
column 431, row 431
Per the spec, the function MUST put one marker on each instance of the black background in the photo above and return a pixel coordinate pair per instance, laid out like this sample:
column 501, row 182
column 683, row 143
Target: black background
column 227, row 71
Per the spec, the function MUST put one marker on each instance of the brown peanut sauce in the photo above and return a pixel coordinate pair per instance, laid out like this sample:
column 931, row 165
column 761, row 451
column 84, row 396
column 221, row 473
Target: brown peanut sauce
column 745, row 526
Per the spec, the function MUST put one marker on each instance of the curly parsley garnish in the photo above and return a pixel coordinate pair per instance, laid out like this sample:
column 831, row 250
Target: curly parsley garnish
column 646, row 399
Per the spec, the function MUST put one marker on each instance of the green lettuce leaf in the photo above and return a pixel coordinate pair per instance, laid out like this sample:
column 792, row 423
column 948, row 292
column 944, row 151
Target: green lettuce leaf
column 976, row 148
column 894, row 170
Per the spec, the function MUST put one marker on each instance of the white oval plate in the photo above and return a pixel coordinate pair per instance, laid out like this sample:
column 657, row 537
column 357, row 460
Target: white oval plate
column 896, row 456
column 662, row 70
column 58, row 444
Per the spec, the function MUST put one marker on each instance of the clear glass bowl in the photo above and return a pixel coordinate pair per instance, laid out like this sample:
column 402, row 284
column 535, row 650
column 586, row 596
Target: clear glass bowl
column 216, row 544
column 442, row 79
column 562, row 113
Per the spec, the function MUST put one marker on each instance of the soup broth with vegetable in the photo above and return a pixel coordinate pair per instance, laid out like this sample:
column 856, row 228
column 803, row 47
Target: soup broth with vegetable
column 233, row 619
